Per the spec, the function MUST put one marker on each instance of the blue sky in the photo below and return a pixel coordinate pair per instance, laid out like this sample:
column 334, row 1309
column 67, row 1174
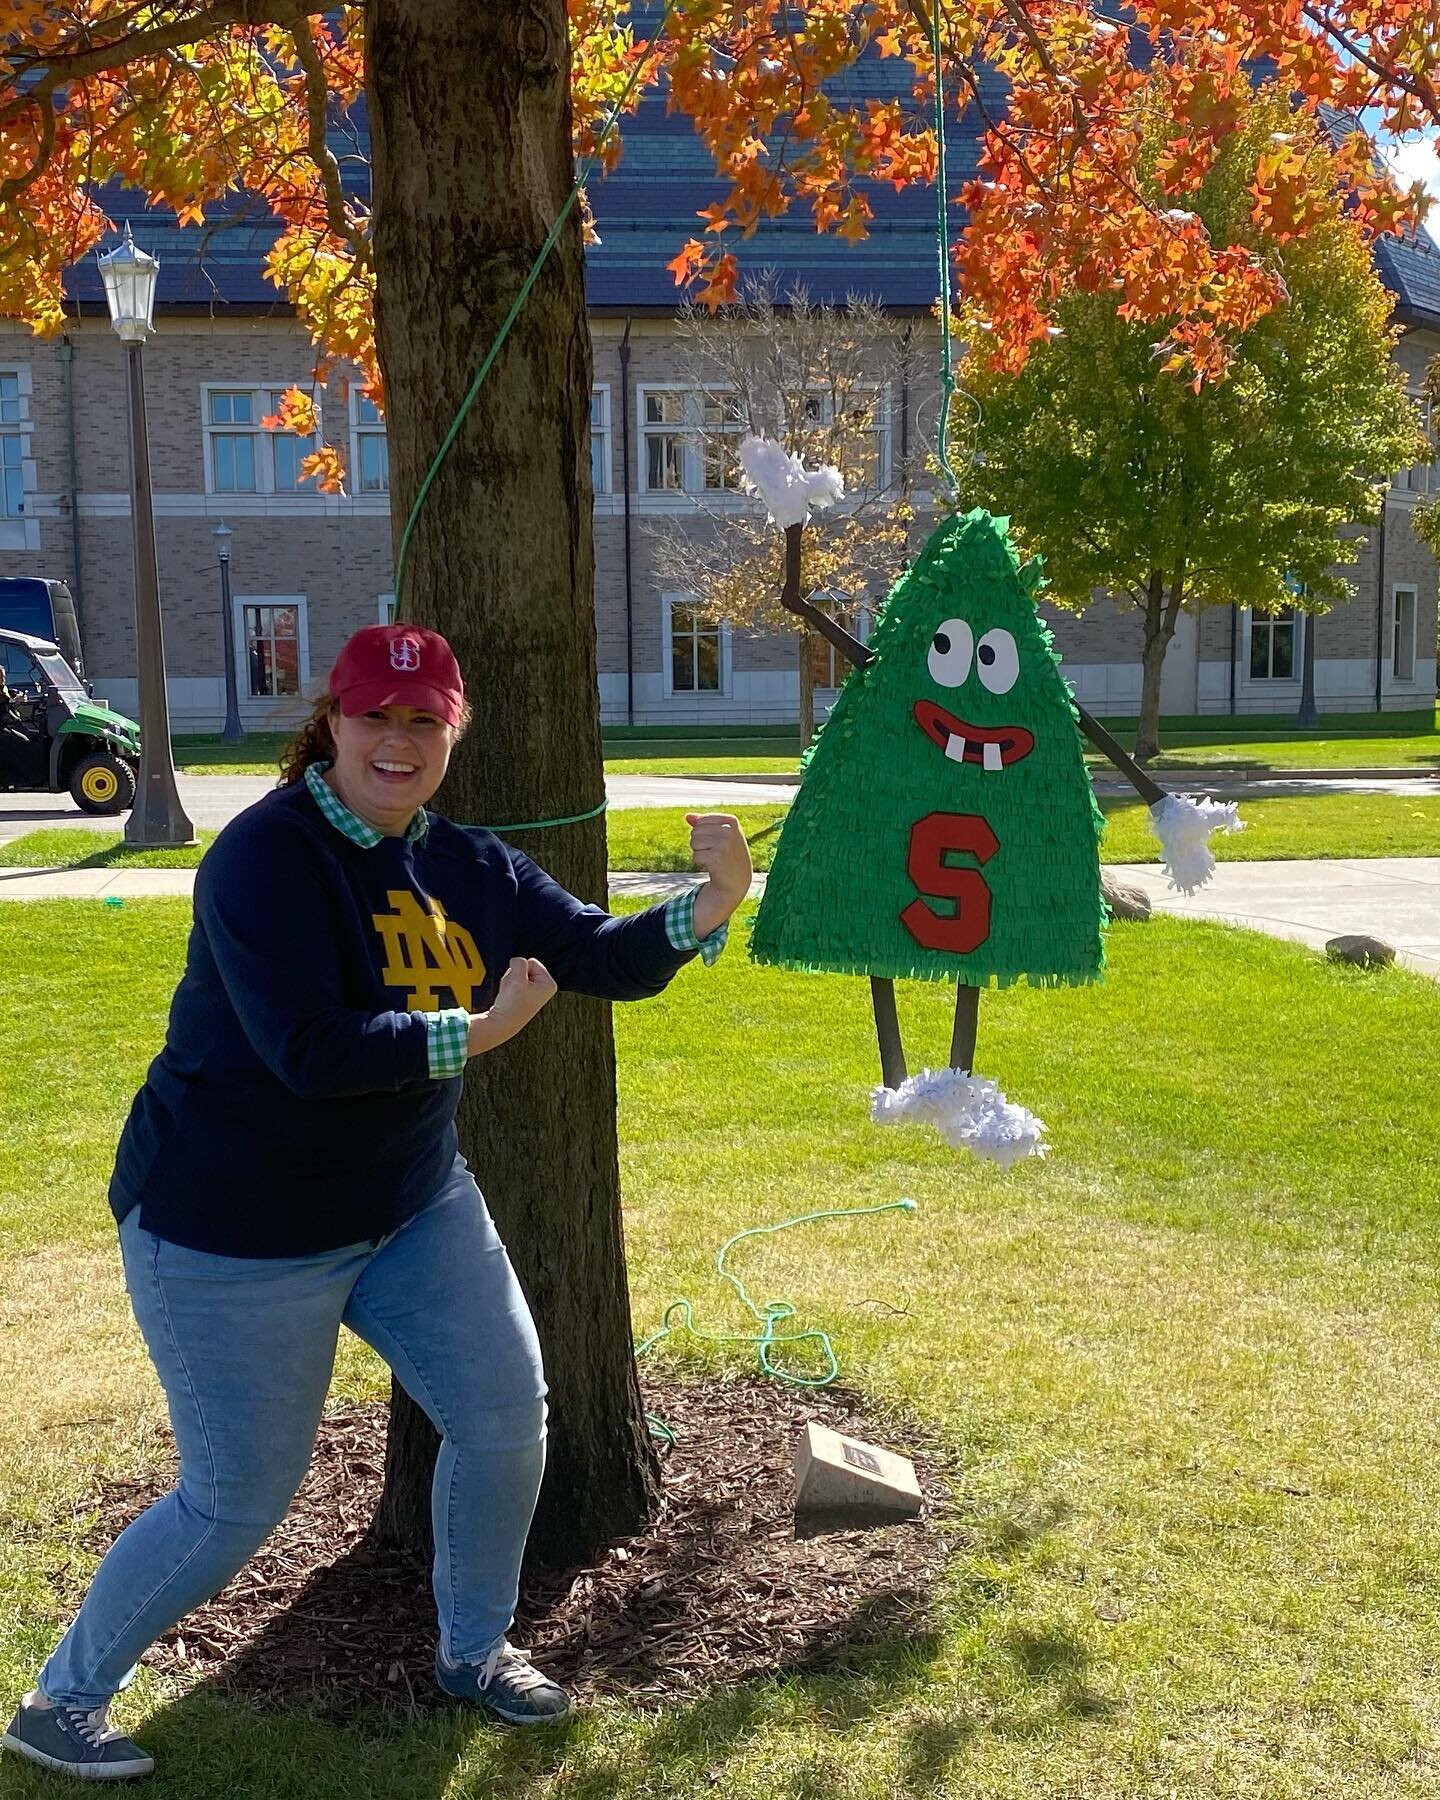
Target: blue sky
column 1419, row 160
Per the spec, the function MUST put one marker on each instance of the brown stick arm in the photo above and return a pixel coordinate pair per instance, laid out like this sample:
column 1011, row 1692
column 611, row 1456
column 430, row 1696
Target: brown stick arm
column 1149, row 791
column 793, row 601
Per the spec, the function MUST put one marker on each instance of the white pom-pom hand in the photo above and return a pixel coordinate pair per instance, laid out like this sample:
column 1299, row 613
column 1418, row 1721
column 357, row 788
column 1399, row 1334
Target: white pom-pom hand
column 790, row 490
column 1184, row 827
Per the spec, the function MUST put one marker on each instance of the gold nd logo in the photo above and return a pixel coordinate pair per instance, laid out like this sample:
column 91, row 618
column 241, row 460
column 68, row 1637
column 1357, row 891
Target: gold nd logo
column 425, row 951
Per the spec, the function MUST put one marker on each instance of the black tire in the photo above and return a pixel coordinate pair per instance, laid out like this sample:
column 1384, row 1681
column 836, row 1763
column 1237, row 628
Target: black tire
column 102, row 783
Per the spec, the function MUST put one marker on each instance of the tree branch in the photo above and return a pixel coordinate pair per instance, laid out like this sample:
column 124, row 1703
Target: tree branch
column 100, row 59
column 17, row 184
column 317, row 96
column 1410, row 84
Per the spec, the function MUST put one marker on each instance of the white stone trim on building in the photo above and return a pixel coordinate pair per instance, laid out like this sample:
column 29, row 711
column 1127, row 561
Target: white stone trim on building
column 20, row 529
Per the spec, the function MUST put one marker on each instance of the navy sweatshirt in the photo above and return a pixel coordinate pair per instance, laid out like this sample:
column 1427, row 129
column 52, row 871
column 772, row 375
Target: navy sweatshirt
column 292, row 1110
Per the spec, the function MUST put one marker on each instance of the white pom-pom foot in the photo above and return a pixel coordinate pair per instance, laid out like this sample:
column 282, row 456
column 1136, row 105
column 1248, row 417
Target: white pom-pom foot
column 968, row 1111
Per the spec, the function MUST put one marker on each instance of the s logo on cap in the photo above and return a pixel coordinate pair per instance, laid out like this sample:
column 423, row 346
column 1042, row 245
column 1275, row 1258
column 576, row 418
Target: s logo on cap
column 404, row 655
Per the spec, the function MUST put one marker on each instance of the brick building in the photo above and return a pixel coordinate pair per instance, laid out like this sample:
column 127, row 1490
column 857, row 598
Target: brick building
column 308, row 568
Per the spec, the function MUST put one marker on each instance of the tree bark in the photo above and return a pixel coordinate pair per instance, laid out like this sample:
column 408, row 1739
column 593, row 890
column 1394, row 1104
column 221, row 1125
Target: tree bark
column 470, row 129
column 1160, row 613
column 806, row 641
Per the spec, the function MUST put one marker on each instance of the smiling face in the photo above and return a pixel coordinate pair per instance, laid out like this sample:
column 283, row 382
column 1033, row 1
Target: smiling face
column 389, row 763
column 945, row 826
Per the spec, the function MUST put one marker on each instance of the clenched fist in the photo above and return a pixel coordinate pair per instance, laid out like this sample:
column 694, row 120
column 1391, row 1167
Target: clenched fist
column 525, row 987
column 719, row 848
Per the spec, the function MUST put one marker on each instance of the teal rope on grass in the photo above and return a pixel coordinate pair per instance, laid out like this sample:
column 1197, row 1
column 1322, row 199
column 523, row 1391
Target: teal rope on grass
column 679, row 1315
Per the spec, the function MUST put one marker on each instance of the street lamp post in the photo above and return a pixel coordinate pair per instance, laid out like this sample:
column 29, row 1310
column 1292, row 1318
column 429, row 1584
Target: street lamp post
column 234, row 731
column 157, row 817
column 1308, row 716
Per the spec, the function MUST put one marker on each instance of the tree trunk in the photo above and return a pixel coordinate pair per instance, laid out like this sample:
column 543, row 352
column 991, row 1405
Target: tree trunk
column 470, row 126
column 1159, row 629
column 806, row 642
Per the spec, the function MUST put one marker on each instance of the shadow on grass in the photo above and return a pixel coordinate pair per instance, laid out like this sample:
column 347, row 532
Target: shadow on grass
column 606, row 1754
column 787, row 1729
column 119, row 855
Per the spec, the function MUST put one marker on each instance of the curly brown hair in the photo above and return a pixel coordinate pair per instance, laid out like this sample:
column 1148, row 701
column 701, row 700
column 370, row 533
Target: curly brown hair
column 315, row 741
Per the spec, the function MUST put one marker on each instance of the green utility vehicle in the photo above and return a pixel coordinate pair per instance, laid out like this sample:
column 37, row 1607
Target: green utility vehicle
column 55, row 737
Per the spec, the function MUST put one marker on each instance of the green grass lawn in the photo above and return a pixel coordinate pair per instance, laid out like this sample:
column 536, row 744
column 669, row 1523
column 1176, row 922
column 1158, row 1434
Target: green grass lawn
column 208, row 756
column 657, row 837
column 1187, row 1365
column 1342, row 740
column 1320, row 825
column 83, row 848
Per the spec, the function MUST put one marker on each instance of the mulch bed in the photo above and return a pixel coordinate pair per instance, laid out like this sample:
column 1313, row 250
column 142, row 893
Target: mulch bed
column 719, row 1590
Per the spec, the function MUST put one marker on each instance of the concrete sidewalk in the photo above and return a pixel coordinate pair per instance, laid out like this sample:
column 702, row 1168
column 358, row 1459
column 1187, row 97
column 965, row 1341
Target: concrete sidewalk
column 212, row 801
column 1394, row 898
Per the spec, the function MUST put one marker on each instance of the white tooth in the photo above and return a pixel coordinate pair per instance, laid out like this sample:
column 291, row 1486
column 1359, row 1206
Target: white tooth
column 955, row 749
column 992, row 757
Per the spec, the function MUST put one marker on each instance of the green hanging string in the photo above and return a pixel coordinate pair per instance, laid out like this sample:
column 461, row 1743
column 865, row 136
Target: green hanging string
column 942, row 237
column 542, row 257
column 541, row 824
column 679, row 1315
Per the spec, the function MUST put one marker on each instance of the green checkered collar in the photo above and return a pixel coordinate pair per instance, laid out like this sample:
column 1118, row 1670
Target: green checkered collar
column 350, row 824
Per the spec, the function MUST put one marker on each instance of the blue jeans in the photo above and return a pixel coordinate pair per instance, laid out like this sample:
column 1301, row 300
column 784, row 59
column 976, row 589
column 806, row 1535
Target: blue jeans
column 244, row 1348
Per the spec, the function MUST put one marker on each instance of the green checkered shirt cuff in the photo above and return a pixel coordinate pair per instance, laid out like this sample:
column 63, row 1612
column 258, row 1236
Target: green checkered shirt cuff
column 680, row 928
column 449, row 1036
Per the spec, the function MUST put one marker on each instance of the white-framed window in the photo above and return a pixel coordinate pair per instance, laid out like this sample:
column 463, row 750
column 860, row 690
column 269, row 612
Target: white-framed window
column 689, row 439
column 19, row 530
column 386, row 612
column 1420, row 478
column 1274, row 646
column 1404, row 616
column 697, row 651
column 829, row 666
column 12, row 445
column 600, row 439
column 865, row 439
column 724, row 425
column 241, row 457
column 272, row 643
column 369, row 447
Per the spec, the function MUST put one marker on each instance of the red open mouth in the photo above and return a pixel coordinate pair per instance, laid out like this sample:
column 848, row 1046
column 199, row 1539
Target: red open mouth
column 983, row 746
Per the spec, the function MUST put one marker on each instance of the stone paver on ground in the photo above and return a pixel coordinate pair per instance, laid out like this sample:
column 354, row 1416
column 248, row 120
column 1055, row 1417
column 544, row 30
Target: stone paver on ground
column 1393, row 898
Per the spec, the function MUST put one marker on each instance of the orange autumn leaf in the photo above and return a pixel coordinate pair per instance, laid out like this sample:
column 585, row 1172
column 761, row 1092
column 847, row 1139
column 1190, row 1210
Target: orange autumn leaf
column 326, row 467
column 690, row 261
column 770, row 91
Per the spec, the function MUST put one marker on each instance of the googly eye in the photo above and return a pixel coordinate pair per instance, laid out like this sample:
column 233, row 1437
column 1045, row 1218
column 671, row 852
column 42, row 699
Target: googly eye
column 951, row 651
column 997, row 661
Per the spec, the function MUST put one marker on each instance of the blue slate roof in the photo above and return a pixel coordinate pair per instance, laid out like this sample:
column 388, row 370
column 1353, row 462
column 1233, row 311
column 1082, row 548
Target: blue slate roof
column 645, row 210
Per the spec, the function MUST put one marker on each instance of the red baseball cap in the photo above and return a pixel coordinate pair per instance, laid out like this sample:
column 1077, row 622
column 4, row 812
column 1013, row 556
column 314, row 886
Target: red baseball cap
column 398, row 665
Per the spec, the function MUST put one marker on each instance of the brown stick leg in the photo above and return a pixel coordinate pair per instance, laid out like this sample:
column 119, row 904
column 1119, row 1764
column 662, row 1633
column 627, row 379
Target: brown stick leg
column 967, row 1021
column 887, row 1030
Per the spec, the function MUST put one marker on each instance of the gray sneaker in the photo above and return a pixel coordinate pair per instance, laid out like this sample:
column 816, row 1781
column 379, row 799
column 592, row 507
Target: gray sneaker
column 75, row 1740
column 507, row 1684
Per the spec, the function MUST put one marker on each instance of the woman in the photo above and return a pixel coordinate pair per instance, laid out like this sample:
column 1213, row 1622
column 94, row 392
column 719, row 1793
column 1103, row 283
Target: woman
column 290, row 1165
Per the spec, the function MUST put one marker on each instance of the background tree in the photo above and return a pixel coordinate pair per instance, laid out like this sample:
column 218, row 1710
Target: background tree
column 1173, row 495
column 830, row 384
column 475, row 113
